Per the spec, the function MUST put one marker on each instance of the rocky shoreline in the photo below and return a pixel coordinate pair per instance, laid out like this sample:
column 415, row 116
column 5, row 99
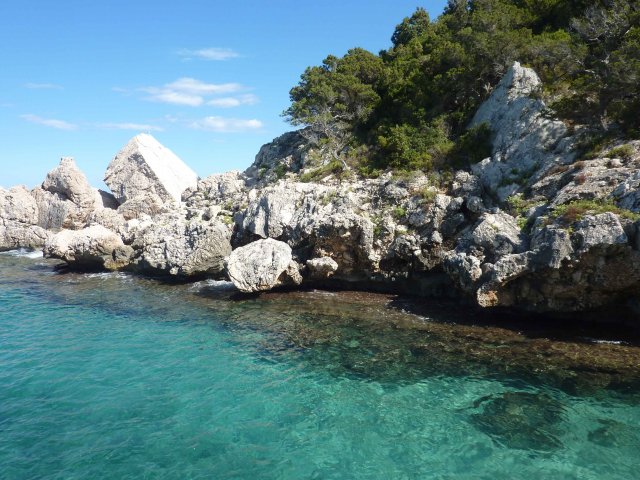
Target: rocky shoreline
column 535, row 227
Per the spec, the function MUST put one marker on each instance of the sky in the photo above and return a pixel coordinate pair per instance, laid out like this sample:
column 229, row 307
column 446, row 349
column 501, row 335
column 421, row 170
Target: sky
column 209, row 79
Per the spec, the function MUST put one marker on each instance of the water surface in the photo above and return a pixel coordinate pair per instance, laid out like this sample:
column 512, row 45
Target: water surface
column 114, row 376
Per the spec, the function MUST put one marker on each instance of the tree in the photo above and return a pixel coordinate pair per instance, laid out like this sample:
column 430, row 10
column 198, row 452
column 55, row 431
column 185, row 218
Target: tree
column 337, row 98
column 411, row 27
column 603, row 31
column 410, row 106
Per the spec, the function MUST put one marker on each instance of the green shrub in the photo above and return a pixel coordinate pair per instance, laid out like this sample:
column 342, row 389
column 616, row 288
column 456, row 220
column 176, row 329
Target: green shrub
column 332, row 168
column 399, row 213
column 572, row 212
column 625, row 152
column 280, row 170
column 472, row 146
column 427, row 194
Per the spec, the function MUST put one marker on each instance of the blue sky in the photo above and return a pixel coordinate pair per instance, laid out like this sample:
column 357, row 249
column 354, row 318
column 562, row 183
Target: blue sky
column 208, row 79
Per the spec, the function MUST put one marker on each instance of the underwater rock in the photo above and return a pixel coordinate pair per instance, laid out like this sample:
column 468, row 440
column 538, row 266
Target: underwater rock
column 521, row 420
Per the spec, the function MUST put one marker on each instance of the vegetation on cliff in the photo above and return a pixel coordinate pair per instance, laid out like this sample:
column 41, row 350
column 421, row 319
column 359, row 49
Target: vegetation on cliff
column 409, row 106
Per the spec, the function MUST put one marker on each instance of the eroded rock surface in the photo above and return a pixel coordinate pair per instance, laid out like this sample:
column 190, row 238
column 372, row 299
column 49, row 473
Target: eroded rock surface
column 533, row 226
column 145, row 166
column 90, row 248
column 19, row 220
column 172, row 245
column 262, row 265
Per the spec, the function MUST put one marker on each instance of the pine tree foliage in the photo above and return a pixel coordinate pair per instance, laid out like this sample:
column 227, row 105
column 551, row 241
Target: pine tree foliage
column 409, row 106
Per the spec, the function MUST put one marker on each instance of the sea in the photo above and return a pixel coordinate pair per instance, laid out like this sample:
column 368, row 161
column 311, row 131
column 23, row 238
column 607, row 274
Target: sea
column 116, row 376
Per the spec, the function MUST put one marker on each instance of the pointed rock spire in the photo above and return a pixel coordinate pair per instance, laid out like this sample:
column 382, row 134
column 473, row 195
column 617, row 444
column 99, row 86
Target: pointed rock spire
column 144, row 166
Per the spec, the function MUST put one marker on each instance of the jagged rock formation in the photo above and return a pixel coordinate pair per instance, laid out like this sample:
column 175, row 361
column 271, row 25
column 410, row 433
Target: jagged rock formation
column 144, row 175
column 171, row 245
column 19, row 220
column 526, row 143
column 510, row 232
column 66, row 199
column 287, row 153
column 90, row 248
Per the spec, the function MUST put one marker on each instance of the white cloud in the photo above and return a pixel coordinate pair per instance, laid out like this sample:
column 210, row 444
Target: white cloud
column 49, row 122
column 228, row 102
column 226, row 125
column 141, row 127
column 172, row 118
column 173, row 97
column 208, row 54
column 191, row 85
column 42, row 86
column 189, row 91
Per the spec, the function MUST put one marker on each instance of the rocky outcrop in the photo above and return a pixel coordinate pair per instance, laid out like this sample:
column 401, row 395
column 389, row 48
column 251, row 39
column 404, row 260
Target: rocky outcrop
column 529, row 227
column 68, row 181
column 66, row 199
column 525, row 142
column 287, row 153
column 145, row 167
column 322, row 267
column 91, row 248
column 19, row 220
column 262, row 265
column 172, row 245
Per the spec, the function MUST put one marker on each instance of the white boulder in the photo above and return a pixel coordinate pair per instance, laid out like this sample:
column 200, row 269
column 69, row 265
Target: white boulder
column 262, row 265
column 145, row 166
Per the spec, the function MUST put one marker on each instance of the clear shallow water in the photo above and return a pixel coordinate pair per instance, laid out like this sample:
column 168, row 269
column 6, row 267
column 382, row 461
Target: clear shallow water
column 112, row 376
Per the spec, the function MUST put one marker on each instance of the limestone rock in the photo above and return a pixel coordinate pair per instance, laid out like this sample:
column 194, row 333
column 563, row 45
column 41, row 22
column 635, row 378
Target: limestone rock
column 497, row 234
column 524, row 141
column 217, row 189
column 599, row 230
column 66, row 200
column 287, row 153
column 67, row 180
column 271, row 213
column 335, row 228
column 597, row 179
column 90, row 248
column 56, row 212
column 171, row 245
column 17, row 205
column 463, row 269
column 260, row 265
column 628, row 192
column 147, row 204
column 145, row 166
column 322, row 267
column 552, row 244
column 18, row 220
column 109, row 219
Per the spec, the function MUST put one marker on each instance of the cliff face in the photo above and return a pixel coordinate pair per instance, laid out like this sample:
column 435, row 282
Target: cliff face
column 530, row 227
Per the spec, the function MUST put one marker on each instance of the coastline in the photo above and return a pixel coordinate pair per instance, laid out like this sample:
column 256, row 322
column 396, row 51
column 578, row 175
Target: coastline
column 565, row 239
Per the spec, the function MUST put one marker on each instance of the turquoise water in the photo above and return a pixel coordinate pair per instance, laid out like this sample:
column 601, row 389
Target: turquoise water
column 112, row 376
